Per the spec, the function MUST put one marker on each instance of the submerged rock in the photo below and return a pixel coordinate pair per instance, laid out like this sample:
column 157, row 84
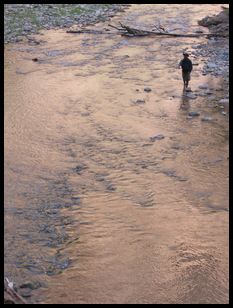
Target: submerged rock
column 78, row 169
column 110, row 187
column 140, row 101
column 203, row 86
column 26, row 293
column 33, row 285
column 209, row 92
column 194, row 114
column 157, row 137
column 191, row 95
column 206, row 119
column 147, row 89
column 201, row 94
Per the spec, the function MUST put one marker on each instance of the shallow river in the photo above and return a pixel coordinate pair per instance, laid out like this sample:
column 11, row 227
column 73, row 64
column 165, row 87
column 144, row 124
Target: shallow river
column 95, row 210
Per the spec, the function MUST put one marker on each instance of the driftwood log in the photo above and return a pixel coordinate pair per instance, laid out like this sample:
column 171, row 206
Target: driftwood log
column 85, row 31
column 129, row 31
column 160, row 30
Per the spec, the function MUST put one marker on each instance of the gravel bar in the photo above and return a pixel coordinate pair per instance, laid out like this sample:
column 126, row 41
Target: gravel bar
column 21, row 20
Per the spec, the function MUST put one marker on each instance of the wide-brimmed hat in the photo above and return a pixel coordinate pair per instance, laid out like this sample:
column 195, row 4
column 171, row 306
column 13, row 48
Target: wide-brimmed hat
column 185, row 53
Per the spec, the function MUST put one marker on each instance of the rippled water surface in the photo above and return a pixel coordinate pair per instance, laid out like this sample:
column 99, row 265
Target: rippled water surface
column 95, row 210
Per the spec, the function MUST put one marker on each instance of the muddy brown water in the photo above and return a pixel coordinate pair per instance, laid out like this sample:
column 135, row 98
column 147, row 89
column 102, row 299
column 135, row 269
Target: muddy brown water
column 94, row 210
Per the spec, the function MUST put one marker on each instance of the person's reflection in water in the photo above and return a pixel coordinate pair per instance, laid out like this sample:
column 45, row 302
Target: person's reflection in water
column 185, row 105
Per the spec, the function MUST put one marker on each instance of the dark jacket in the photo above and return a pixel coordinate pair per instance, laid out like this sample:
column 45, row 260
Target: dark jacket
column 186, row 65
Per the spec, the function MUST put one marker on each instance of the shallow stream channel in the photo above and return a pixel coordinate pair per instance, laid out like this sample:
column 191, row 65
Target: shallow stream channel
column 116, row 182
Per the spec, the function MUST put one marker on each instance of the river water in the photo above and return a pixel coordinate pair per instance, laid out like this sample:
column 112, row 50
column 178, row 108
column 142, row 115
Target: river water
column 94, row 210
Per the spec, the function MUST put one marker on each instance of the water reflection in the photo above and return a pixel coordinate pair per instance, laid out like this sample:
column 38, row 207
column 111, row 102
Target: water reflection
column 185, row 100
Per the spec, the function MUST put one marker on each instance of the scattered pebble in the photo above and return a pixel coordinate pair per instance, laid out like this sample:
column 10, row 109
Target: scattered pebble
column 224, row 101
column 211, row 65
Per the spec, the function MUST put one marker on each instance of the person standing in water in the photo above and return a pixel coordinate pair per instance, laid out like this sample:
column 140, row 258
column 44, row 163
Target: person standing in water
column 187, row 66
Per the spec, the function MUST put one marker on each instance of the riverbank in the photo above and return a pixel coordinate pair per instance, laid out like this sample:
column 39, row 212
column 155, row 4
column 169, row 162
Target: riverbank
column 218, row 24
column 217, row 48
column 215, row 54
column 21, row 20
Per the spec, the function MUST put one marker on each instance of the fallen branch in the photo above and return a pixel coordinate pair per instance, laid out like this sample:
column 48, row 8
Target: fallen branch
column 10, row 295
column 129, row 31
column 114, row 27
column 136, row 32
